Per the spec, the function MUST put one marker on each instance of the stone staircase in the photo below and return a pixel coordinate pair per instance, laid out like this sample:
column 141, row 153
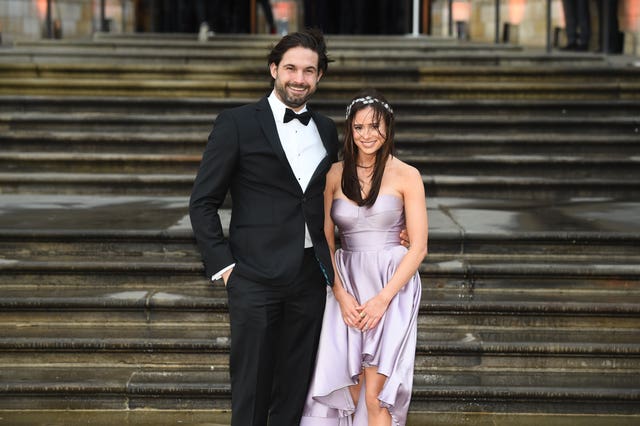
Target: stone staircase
column 531, row 304
column 496, row 148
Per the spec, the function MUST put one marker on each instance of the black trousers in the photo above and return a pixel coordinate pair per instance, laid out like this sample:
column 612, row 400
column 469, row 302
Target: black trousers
column 577, row 21
column 274, row 338
column 611, row 39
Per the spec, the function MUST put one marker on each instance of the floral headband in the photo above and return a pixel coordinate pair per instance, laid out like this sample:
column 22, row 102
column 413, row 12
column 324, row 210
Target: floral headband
column 365, row 101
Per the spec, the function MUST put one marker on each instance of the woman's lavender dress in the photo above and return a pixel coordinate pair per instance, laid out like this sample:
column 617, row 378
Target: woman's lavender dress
column 370, row 253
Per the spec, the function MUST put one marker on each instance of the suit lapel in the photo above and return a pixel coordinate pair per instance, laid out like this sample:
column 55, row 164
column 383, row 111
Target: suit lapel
column 321, row 169
column 325, row 137
column 268, row 125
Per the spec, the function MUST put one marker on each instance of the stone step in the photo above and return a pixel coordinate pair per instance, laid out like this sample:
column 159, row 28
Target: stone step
column 135, row 387
column 559, row 392
column 165, row 333
column 464, row 308
column 406, row 143
column 528, row 188
column 437, row 356
column 234, row 42
column 500, row 143
column 135, row 285
column 259, row 41
column 611, row 167
column 150, row 248
column 156, row 228
column 521, row 188
column 586, row 109
column 222, row 417
column 469, row 276
column 371, row 74
column 257, row 58
column 30, row 162
column 569, row 167
column 329, row 90
column 491, row 280
column 426, row 125
column 126, row 417
column 125, row 387
column 179, row 348
column 255, row 55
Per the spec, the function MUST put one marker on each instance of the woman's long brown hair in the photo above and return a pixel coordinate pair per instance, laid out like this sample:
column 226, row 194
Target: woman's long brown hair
column 381, row 112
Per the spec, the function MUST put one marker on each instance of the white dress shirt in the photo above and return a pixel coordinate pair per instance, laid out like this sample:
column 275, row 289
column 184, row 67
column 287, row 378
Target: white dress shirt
column 304, row 150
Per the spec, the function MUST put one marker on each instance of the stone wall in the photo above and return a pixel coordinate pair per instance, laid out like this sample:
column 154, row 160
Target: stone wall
column 530, row 20
column 630, row 24
column 80, row 18
column 19, row 18
column 73, row 18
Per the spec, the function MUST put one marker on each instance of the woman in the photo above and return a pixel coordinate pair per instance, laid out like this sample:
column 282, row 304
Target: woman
column 364, row 367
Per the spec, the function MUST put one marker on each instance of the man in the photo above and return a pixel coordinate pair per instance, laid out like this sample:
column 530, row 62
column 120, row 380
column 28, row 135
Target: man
column 276, row 263
column 577, row 24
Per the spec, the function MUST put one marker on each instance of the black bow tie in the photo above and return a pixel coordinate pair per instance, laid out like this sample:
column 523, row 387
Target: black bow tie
column 304, row 117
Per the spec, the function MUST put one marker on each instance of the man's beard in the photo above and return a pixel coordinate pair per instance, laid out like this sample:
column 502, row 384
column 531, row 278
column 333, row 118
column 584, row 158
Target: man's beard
column 291, row 101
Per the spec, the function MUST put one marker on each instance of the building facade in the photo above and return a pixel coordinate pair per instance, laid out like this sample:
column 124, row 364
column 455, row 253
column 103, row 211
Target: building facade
column 523, row 22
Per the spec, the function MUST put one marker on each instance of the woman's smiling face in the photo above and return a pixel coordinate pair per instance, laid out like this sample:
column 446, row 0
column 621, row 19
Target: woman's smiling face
column 369, row 131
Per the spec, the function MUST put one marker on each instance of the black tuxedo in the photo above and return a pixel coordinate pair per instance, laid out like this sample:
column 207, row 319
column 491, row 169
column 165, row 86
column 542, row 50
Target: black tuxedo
column 266, row 242
column 244, row 155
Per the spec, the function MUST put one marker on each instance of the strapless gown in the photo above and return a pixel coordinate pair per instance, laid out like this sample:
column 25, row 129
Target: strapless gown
column 370, row 253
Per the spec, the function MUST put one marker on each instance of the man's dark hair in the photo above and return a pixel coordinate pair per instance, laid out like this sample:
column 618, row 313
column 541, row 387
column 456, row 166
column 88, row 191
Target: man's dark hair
column 309, row 39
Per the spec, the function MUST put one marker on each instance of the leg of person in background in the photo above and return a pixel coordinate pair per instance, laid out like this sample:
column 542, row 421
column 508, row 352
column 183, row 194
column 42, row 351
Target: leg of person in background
column 617, row 36
column 584, row 24
column 219, row 15
column 268, row 14
column 570, row 24
column 201, row 11
column 309, row 13
column 243, row 13
column 166, row 15
column 346, row 18
column 361, row 12
column 237, row 14
column 329, row 16
column 611, row 40
column 181, row 16
column 390, row 17
column 383, row 19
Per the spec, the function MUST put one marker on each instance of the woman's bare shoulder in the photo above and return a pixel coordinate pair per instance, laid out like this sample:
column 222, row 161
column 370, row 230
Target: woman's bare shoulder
column 335, row 172
column 336, row 169
column 405, row 171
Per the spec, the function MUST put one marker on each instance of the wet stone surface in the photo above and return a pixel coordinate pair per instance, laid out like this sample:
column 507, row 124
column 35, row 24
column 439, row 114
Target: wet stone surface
column 446, row 215
column 87, row 212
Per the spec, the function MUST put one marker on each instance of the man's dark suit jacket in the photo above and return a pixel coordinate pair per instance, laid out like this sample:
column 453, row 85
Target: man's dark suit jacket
column 266, row 233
